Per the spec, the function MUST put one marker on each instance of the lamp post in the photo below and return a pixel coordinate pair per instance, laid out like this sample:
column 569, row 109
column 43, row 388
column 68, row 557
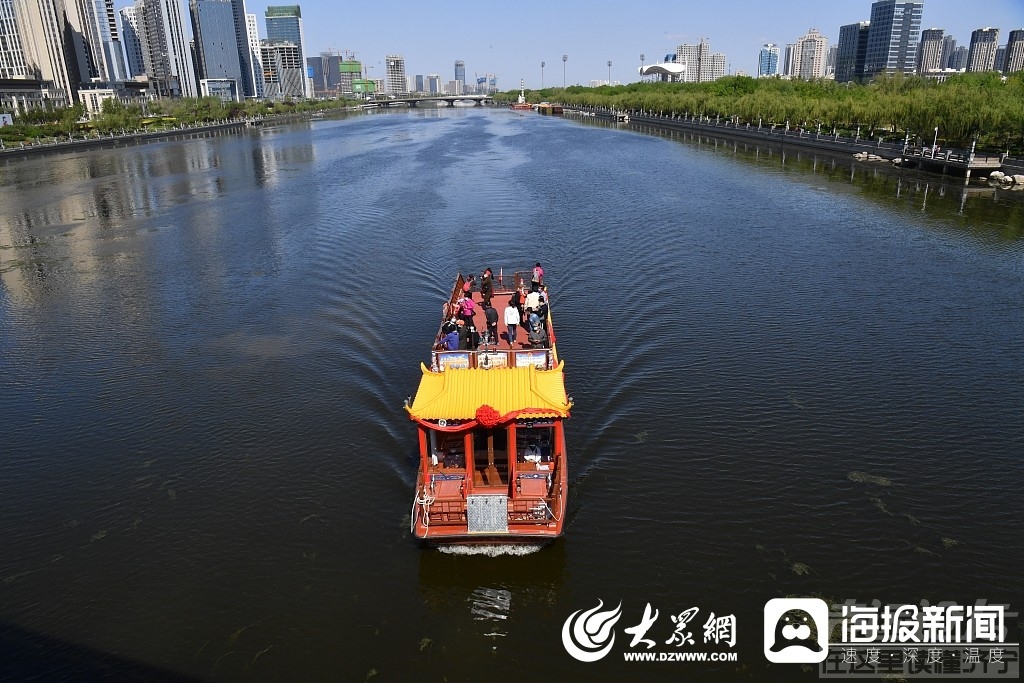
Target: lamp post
column 935, row 141
column 641, row 66
column 565, row 58
column 609, row 72
column 542, row 75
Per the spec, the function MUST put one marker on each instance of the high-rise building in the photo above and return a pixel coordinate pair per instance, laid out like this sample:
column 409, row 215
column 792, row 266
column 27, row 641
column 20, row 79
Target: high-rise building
column 768, row 60
column 892, row 37
column 132, row 44
column 981, row 56
column 12, row 59
column 999, row 63
column 809, row 55
column 958, row 60
column 434, row 84
column 255, row 66
column 851, row 52
column 830, row 61
column 326, row 74
column 394, row 75
column 92, row 44
column 216, row 46
column 284, row 23
column 284, row 72
column 700, row 65
column 165, row 49
column 948, row 45
column 1014, row 60
column 42, row 26
column 787, row 60
column 460, row 74
column 929, row 51
column 418, row 84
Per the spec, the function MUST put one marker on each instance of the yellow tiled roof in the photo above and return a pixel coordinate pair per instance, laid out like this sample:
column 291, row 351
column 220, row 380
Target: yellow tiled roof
column 455, row 394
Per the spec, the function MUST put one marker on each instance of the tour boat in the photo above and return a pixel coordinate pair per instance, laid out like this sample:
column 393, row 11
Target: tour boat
column 491, row 444
column 521, row 103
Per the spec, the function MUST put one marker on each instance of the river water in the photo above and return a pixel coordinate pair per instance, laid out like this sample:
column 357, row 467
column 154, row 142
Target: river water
column 792, row 375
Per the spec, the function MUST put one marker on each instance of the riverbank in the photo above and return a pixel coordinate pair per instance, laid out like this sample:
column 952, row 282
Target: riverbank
column 133, row 138
column 962, row 163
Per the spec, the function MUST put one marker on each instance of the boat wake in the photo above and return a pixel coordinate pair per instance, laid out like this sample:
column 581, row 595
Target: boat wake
column 490, row 550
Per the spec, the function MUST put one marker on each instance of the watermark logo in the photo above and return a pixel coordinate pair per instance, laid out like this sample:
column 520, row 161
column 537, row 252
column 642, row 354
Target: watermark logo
column 588, row 635
column 796, row 630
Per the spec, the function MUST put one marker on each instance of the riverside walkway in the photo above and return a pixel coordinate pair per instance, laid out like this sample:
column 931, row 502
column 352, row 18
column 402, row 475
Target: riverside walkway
column 947, row 162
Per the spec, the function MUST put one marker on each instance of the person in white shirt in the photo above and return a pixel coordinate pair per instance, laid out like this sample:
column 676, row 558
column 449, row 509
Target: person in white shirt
column 511, row 322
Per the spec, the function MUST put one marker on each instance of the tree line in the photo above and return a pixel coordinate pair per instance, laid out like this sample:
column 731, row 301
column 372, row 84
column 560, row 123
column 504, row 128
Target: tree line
column 966, row 107
column 117, row 117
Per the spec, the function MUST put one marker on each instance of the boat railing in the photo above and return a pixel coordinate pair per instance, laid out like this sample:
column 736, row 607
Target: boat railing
column 489, row 358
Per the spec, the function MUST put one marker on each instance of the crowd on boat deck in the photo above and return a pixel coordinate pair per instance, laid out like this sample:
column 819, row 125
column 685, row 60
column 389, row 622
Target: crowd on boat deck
column 527, row 308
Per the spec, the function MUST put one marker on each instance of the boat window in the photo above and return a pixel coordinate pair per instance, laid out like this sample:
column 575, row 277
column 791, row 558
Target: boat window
column 535, row 441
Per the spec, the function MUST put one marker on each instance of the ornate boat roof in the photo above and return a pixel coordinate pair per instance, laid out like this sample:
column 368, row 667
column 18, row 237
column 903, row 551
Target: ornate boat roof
column 511, row 392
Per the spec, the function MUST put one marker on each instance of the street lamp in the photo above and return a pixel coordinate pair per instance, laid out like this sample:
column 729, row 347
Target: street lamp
column 565, row 58
column 641, row 66
column 935, row 141
column 542, row 75
column 609, row 72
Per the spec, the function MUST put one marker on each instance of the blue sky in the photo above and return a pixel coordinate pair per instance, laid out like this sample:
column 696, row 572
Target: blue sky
column 510, row 38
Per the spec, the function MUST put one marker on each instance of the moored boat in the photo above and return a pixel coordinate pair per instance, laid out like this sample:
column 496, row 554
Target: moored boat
column 521, row 103
column 491, row 443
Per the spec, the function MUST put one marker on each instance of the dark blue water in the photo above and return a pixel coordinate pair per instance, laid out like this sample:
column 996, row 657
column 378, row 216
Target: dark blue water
column 792, row 376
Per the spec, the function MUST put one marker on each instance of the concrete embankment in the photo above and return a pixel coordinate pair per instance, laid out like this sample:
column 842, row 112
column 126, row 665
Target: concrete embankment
column 947, row 162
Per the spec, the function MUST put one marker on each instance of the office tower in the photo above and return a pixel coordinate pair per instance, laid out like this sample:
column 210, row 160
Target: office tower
column 958, row 60
column 252, row 41
column 787, row 60
column 12, row 60
column 132, row 44
column 768, row 60
column 325, row 71
column 394, row 75
column 892, row 37
column 284, row 72
column 460, row 72
column 284, row 23
column 929, row 51
column 851, row 51
column 41, row 25
column 1014, row 60
column 981, row 56
column 830, row 61
column 216, row 45
column 165, row 49
column 808, row 59
column 418, row 85
column 433, row 84
column 92, row 45
column 948, row 45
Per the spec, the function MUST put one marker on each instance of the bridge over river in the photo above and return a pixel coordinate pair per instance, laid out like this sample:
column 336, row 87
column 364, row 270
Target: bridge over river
column 449, row 100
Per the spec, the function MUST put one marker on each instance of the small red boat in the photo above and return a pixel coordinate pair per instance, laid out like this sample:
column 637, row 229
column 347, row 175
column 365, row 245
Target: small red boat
column 489, row 419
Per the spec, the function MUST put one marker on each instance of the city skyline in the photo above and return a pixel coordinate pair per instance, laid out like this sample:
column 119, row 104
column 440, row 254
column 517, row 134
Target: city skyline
column 511, row 40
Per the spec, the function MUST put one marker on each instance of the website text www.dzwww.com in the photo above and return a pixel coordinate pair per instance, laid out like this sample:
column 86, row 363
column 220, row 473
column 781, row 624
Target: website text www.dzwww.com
column 680, row 656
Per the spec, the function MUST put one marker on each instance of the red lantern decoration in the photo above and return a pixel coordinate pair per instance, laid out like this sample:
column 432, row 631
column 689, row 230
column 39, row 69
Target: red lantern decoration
column 487, row 416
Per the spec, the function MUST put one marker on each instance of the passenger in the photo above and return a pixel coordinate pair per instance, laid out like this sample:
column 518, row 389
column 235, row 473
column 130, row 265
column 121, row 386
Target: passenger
column 532, row 453
column 467, row 287
column 472, row 337
column 450, row 341
column 533, row 300
column 538, row 277
column 467, row 310
column 511, row 322
column 463, row 336
column 487, row 286
column 538, row 336
column 491, row 314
